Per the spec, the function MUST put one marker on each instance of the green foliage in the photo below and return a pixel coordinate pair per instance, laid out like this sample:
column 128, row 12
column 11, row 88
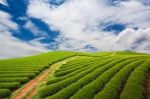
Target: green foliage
column 4, row 93
column 134, row 86
column 9, row 85
column 53, row 88
column 88, row 66
column 99, row 78
column 18, row 79
column 104, row 75
column 92, row 88
column 74, row 87
column 111, row 89
column 77, row 66
column 16, row 72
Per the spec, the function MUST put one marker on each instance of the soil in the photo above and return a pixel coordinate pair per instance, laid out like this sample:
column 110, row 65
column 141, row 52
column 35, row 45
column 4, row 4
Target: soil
column 146, row 85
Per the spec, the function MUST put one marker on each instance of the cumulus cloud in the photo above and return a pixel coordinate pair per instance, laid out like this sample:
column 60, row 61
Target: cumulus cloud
column 10, row 46
column 78, row 22
column 137, row 40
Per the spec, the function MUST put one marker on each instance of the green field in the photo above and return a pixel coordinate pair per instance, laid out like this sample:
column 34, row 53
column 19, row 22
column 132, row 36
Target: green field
column 100, row 75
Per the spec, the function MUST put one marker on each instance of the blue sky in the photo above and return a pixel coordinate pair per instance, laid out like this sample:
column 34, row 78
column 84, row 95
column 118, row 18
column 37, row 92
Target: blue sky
column 33, row 26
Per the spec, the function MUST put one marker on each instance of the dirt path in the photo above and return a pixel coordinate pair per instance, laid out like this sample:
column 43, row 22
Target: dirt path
column 114, row 53
column 39, row 79
column 146, row 85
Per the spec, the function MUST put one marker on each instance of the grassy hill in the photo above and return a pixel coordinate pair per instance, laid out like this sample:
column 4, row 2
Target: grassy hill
column 100, row 75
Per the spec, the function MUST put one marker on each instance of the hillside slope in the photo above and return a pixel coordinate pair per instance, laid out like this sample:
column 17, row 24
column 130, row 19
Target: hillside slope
column 119, row 75
column 16, row 72
column 100, row 75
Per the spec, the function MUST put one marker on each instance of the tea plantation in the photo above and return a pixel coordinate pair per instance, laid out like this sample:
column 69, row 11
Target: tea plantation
column 119, row 76
column 107, row 75
column 16, row 72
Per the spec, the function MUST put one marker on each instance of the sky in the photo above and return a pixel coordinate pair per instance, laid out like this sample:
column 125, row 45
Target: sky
column 29, row 27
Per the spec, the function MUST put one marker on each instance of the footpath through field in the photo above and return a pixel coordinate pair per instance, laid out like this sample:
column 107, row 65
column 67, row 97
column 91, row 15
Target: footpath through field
column 41, row 78
column 114, row 53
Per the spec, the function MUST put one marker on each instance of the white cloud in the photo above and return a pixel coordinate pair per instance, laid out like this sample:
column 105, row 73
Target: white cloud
column 5, row 22
column 78, row 21
column 36, row 32
column 139, row 39
column 10, row 46
column 4, row 2
column 132, row 4
column 13, row 47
